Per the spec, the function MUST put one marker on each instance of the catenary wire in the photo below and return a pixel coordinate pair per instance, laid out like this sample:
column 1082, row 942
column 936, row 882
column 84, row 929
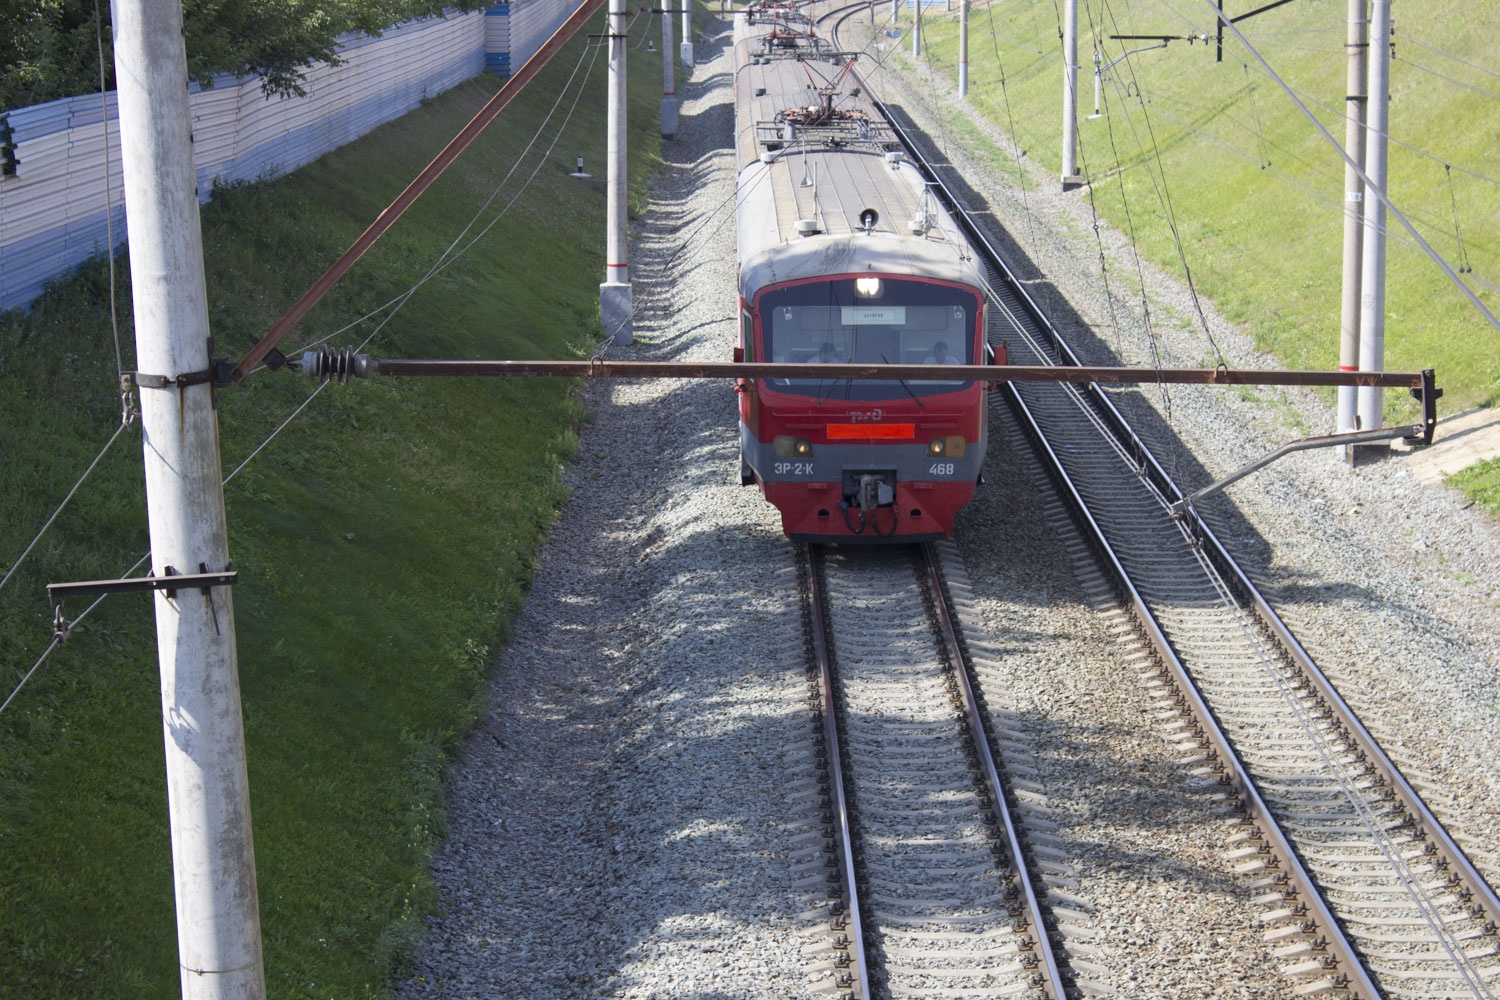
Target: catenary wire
column 1370, row 187
column 60, row 507
column 448, row 257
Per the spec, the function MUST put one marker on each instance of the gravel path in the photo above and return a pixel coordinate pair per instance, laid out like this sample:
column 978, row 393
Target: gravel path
column 618, row 820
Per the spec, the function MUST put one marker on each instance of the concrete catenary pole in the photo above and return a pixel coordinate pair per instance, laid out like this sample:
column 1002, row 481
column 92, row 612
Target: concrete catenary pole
column 1070, row 178
column 687, row 38
column 208, row 792
column 668, row 84
column 615, row 304
column 916, row 30
column 1372, row 277
column 1357, row 43
column 963, row 48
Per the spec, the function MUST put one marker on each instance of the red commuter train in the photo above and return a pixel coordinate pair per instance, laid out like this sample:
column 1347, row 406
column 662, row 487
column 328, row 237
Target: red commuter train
column 844, row 256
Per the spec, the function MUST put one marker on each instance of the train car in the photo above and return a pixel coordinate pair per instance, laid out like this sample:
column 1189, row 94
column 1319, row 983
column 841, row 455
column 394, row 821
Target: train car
column 845, row 257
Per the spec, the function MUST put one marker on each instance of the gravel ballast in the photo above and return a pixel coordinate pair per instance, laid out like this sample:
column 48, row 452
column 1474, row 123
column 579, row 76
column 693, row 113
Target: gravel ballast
column 618, row 820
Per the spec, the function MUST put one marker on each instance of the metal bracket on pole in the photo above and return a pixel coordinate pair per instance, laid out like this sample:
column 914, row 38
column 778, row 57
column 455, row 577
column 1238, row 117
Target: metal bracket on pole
column 1428, row 394
column 1411, row 432
column 219, row 373
column 171, row 583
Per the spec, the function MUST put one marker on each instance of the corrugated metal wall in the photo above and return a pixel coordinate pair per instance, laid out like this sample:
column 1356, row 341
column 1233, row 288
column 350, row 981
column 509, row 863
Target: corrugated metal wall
column 56, row 209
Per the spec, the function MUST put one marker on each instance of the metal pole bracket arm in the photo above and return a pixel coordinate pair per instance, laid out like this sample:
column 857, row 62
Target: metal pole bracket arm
column 1427, row 394
column 171, row 583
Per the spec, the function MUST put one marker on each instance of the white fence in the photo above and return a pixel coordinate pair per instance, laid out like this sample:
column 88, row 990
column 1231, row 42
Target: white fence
column 57, row 208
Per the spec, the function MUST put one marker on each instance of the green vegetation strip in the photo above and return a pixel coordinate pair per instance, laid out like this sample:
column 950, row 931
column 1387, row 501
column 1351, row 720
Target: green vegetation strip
column 1256, row 195
column 1482, row 484
column 383, row 542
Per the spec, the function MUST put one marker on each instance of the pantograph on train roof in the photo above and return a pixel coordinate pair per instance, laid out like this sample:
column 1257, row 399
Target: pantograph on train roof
column 825, row 123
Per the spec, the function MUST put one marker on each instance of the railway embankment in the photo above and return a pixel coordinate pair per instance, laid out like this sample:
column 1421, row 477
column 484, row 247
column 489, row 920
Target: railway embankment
column 384, row 539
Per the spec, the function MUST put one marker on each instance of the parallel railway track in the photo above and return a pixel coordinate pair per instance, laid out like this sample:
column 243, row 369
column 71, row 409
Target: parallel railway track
column 1362, row 892
column 936, row 897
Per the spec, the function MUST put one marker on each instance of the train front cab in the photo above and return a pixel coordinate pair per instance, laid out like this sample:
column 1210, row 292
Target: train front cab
column 864, row 461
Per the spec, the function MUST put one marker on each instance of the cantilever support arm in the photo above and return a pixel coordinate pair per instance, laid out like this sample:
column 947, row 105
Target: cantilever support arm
column 1412, row 431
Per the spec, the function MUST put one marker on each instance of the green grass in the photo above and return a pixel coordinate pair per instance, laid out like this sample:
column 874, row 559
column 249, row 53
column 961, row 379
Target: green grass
column 1255, row 193
column 1481, row 482
column 383, row 541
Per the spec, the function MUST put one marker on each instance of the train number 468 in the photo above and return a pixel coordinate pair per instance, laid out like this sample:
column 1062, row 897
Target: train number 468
column 941, row 469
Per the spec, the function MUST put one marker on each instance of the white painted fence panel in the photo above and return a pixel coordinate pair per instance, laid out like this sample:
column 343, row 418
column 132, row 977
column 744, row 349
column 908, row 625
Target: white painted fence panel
column 55, row 210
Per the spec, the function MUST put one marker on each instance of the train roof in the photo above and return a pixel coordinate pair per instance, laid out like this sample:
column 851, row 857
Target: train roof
column 807, row 176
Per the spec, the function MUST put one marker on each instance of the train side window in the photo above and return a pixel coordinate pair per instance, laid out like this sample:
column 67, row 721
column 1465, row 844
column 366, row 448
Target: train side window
column 747, row 334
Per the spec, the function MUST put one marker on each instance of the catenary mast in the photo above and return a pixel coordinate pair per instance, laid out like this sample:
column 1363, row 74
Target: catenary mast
column 208, row 793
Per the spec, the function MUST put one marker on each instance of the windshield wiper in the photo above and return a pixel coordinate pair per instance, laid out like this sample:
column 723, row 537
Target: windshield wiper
column 920, row 405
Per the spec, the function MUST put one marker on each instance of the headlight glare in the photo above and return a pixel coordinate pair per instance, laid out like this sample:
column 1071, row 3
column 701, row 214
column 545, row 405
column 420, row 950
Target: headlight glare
column 786, row 446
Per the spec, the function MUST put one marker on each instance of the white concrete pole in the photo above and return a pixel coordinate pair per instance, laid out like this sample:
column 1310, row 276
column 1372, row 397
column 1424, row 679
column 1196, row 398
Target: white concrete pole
column 615, row 305
column 1372, row 277
column 208, row 792
column 1070, row 178
column 916, row 31
column 668, row 84
column 963, row 48
column 687, row 37
column 1357, row 43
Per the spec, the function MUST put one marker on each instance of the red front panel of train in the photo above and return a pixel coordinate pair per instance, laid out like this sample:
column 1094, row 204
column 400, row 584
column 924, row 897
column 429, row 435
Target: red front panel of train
column 865, row 460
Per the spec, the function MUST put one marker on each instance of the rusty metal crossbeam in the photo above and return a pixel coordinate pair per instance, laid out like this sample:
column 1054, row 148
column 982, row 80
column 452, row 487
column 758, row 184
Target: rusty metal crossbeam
column 986, row 373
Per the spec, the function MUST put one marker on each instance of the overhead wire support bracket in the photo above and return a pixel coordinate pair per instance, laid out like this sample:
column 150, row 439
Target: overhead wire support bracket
column 1412, row 432
column 1236, row 20
column 171, row 582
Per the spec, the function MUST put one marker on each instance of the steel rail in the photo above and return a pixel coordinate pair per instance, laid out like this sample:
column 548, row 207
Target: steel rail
column 1042, row 942
column 1344, row 955
column 844, row 841
column 1479, row 888
column 1481, row 892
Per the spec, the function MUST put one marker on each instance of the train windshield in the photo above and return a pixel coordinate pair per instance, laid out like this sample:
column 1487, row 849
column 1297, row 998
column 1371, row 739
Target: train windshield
column 868, row 321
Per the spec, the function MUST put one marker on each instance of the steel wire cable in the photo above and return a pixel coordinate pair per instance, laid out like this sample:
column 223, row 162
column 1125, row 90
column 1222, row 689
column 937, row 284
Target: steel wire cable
column 1164, row 196
column 446, row 258
column 61, row 506
column 60, row 635
column 1383, row 195
column 1407, row 39
column 109, row 215
column 1397, row 236
column 127, row 412
column 1487, row 94
column 450, row 256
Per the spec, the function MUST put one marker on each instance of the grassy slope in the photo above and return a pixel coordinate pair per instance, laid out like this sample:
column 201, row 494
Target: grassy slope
column 383, row 542
column 1256, row 194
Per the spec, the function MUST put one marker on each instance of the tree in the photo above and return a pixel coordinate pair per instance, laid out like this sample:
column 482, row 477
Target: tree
column 50, row 48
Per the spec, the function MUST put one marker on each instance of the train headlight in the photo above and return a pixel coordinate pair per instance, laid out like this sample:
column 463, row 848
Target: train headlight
column 786, row 446
column 867, row 288
column 952, row 446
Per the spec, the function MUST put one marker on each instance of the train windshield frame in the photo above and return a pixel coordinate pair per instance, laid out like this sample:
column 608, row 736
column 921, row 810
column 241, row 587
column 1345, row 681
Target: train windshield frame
column 868, row 319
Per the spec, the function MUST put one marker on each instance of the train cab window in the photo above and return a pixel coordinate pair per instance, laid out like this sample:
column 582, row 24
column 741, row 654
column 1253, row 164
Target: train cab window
column 829, row 322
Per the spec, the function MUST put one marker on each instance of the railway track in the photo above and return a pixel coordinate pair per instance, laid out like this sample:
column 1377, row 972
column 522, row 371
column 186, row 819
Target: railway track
column 1361, row 891
column 935, row 896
